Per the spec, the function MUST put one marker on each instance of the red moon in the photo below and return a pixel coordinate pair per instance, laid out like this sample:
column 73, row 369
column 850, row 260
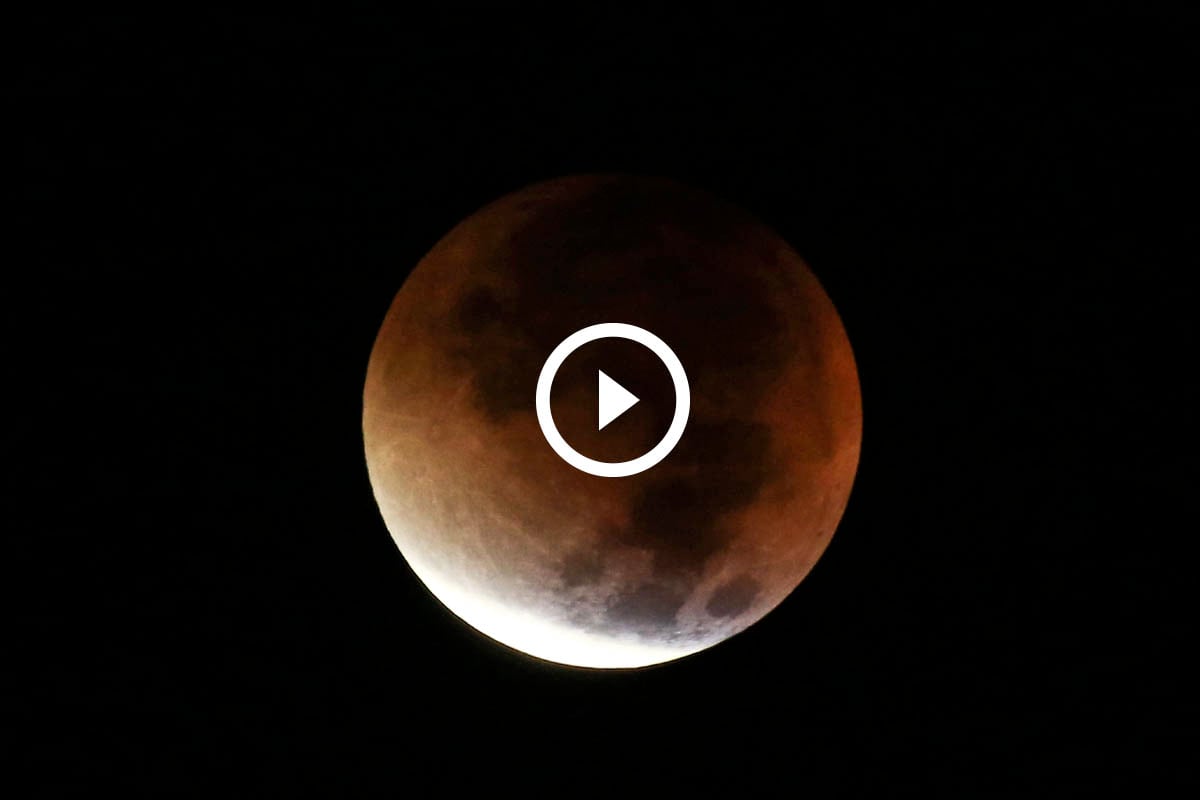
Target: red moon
column 594, row 571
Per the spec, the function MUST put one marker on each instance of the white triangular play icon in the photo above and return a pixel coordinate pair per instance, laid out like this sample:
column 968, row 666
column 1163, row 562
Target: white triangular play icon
column 614, row 401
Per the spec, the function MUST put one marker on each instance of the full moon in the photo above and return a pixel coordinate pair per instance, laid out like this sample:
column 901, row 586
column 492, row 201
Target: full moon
column 611, row 572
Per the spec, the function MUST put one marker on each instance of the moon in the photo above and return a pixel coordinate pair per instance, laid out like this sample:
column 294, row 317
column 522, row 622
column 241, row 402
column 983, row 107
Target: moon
column 594, row 571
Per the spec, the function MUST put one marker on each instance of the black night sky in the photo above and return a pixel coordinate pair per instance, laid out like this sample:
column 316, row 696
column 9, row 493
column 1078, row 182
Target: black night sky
column 214, row 214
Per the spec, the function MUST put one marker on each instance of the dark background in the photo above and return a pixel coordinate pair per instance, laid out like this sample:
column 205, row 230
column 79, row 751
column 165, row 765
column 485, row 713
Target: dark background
column 214, row 213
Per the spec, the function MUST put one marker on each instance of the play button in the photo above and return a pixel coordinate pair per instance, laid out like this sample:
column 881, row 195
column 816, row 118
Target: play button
column 614, row 400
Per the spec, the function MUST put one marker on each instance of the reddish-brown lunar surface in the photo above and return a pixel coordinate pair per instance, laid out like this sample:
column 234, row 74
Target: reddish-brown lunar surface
column 595, row 571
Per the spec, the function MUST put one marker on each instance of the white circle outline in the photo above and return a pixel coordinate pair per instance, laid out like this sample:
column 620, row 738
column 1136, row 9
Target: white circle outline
column 611, row 469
